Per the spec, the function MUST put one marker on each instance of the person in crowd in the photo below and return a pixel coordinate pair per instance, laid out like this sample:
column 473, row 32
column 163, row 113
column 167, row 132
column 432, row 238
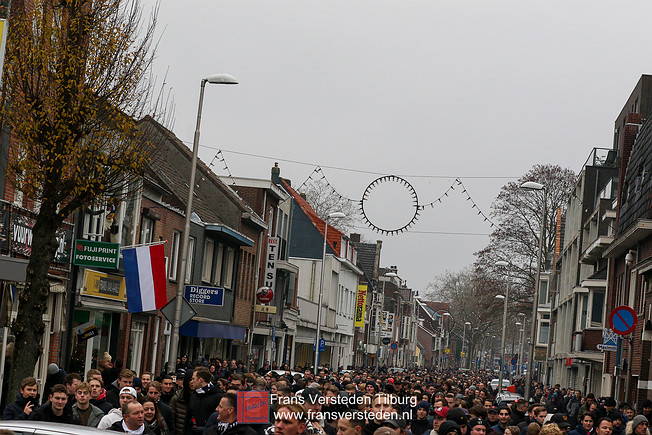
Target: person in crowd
column 290, row 420
column 646, row 410
column 449, row 427
column 133, row 419
column 125, row 379
column 617, row 421
column 204, row 400
column 421, row 422
column 504, row 414
column 152, row 417
column 604, row 426
column 573, row 408
column 71, row 381
column 512, row 430
column 561, row 420
column 145, row 379
column 492, row 416
column 179, row 405
column 98, row 395
column 439, row 417
column 312, row 401
column 550, row 429
column 56, row 409
column 638, row 426
column 154, row 391
column 88, row 414
column 350, row 426
column 586, row 425
column 56, row 375
column 227, row 423
column 476, row 426
column 167, row 388
column 397, row 425
column 26, row 401
column 127, row 394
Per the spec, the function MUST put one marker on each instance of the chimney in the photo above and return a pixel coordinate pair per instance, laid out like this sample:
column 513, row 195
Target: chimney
column 355, row 237
column 276, row 174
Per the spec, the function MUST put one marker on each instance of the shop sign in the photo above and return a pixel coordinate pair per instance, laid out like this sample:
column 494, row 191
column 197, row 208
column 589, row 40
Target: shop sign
column 86, row 331
column 270, row 262
column 360, row 306
column 90, row 253
column 386, row 324
column 22, row 235
column 104, row 285
column 204, row 295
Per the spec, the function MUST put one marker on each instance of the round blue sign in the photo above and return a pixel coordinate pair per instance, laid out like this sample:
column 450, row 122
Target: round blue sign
column 393, row 346
column 622, row 320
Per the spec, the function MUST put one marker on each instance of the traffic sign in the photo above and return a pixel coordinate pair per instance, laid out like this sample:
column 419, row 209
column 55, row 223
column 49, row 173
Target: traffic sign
column 322, row 345
column 622, row 320
column 386, row 340
column 393, row 346
column 187, row 311
column 514, row 361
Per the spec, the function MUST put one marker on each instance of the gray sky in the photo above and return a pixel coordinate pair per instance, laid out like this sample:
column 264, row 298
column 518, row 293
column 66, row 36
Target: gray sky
column 430, row 90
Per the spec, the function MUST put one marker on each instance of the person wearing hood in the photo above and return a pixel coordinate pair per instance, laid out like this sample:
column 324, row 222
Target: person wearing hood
column 449, row 427
column 421, row 423
column 585, row 427
column 26, row 401
column 638, row 426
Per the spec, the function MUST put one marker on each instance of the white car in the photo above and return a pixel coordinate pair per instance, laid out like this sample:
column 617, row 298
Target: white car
column 494, row 383
column 28, row 427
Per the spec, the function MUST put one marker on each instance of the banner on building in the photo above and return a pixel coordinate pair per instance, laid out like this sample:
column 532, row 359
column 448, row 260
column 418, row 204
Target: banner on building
column 270, row 263
column 21, row 238
column 386, row 324
column 360, row 306
column 104, row 285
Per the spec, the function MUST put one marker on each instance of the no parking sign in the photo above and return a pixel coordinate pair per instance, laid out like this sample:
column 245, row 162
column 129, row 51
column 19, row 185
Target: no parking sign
column 622, row 320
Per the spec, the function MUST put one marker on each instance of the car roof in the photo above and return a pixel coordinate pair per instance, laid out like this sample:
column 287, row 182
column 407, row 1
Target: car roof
column 48, row 427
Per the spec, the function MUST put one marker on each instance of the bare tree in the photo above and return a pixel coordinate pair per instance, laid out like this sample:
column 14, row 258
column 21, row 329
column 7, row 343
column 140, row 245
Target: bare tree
column 324, row 199
column 518, row 213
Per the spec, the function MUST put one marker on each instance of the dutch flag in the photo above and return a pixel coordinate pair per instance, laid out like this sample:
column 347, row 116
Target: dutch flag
column 145, row 278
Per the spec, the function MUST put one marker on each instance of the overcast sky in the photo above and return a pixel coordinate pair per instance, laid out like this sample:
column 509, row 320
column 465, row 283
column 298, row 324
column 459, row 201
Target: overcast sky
column 429, row 90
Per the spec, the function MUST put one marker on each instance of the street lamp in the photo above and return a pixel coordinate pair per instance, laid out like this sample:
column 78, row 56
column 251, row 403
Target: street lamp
column 464, row 343
column 503, row 264
column 531, row 185
column 334, row 215
column 442, row 324
column 522, row 340
column 216, row 79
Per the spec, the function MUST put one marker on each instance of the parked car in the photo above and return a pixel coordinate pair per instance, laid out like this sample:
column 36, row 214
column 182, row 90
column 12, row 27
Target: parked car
column 283, row 372
column 505, row 397
column 28, row 427
column 494, row 383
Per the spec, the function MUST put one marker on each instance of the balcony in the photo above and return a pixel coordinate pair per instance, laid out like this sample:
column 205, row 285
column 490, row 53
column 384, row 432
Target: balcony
column 594, row 252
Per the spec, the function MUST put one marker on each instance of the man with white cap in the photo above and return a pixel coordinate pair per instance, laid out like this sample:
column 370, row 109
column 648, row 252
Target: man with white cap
column 127, row 394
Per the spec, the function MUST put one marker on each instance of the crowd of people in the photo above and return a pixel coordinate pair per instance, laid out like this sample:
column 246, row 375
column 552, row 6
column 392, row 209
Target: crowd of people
column 203, row 399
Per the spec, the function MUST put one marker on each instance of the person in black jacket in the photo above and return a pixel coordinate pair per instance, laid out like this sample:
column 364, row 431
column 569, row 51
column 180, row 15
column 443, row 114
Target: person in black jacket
column 56, row 410
column 154, row 391
column 26, row 401
column 133, row 420
column 421, row 423
column 226, row 418
column 203, row 402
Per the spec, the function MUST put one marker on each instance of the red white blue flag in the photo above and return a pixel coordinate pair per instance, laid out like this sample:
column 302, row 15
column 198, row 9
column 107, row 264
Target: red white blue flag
column 145, row 278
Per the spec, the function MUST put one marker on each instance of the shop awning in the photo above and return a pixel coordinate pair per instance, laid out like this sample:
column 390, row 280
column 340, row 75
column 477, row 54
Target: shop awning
column 195, row 328
column 13, row 269
column 229, row 234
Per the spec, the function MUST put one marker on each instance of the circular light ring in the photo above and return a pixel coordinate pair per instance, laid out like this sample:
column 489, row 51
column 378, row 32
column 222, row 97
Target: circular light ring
column 410, row 189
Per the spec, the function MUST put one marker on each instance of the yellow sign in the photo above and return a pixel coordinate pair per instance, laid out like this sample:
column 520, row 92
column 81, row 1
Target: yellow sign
column 463, row 354
column 270, row 309
column 447, row 350
column 104, row 285
column 360, row 306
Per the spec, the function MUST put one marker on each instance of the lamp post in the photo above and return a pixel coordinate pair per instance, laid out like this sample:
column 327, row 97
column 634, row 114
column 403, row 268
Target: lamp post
column 442, row 325
column 501, row 264
column 216, row 79
column 522, row 331
column 334, row 215
column 531, row 185
column 464, row 343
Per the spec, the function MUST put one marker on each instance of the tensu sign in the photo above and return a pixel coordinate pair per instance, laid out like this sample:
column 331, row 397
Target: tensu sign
column 270, row 262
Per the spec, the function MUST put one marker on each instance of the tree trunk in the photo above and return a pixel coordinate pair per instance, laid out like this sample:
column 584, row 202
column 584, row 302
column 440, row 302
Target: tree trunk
column 28, row 328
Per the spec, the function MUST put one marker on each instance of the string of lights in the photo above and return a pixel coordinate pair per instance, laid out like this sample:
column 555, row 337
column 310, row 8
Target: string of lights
column 220, row 156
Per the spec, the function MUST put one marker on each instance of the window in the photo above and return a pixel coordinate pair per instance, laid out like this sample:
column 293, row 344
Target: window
column 584, row 312
column 641, row 304
column 94, row 225
column 147, row 230
column 543, row 333
column 597, row 308
column 136, row 344
column 191, row 255
column 282, row 234
column 543, row 292
column 219, row 256
column 174, row 263
column 229, row 267
column 207, row 268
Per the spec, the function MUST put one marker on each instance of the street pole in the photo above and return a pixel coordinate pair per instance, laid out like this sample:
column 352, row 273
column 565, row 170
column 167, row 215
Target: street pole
column 224, row 79
column 535, row 302
column 503, row 263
